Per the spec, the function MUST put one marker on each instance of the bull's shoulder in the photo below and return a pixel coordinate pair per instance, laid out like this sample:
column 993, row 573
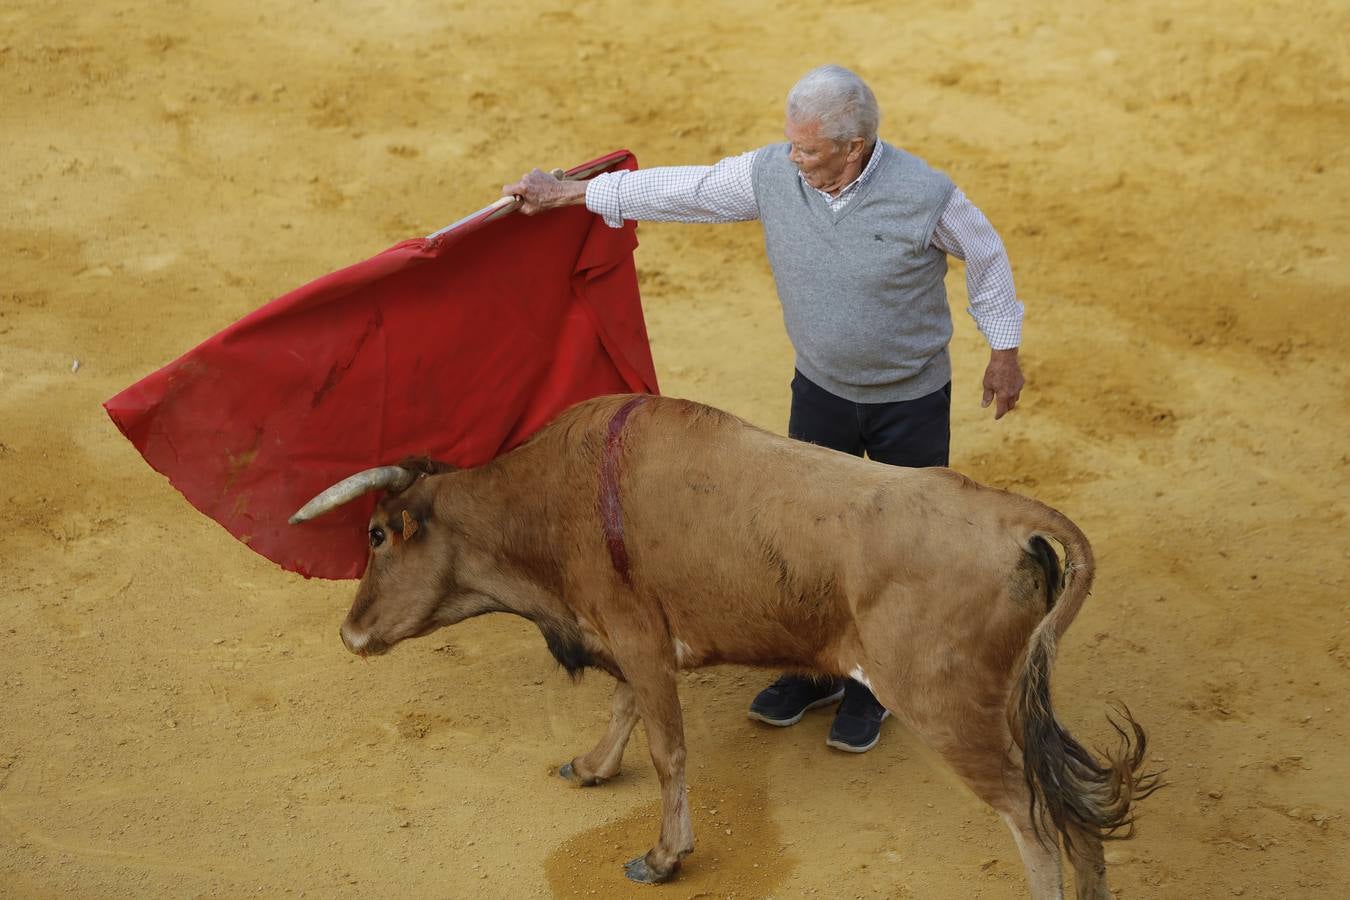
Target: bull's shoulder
column 650, row 413
column 583, row 423
column 675, row 412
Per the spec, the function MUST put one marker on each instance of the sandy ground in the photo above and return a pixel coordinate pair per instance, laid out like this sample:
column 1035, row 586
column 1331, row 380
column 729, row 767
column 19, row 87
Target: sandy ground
column 179, row 717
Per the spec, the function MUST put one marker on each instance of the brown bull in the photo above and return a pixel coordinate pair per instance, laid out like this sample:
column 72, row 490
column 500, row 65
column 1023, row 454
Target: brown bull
column 646, row 535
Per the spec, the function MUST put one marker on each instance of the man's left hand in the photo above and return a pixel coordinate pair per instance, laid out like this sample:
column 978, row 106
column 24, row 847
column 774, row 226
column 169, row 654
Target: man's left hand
column 1002, row 381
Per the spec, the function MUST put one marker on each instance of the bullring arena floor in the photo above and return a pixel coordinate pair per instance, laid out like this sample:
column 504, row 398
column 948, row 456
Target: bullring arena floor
column 179, row 717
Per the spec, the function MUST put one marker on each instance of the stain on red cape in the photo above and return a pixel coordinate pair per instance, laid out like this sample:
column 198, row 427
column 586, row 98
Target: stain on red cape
column 457, row 347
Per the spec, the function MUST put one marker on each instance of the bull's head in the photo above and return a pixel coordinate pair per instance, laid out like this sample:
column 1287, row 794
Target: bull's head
column 409, row 587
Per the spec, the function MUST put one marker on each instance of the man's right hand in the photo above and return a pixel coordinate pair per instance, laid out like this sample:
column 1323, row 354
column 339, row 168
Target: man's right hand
column 539, row 191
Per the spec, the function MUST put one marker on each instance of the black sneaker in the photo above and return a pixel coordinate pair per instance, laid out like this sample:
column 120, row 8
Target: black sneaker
column 785, row 701
column 857, row 724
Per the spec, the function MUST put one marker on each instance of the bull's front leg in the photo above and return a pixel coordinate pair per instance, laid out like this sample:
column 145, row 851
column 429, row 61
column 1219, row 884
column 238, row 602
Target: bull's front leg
column 602, row 763
column 651, row 676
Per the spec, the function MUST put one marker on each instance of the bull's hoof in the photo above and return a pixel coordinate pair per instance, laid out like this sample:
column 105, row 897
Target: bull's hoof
column 638, row 870
column 569, row 772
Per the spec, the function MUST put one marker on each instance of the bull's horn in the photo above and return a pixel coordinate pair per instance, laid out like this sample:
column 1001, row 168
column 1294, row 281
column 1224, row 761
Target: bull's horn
column 386, row 478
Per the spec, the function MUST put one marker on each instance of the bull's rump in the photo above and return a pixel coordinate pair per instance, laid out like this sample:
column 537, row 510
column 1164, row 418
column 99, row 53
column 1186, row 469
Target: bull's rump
column 783, row 541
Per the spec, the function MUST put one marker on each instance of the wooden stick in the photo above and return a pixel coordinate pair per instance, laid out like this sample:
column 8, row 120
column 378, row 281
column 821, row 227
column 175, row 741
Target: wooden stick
column 504, row 206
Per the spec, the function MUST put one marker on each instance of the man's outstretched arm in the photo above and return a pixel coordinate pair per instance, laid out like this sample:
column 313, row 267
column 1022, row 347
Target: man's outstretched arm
column 718, row 193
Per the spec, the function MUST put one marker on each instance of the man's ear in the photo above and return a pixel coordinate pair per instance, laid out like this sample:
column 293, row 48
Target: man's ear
column 409, row 526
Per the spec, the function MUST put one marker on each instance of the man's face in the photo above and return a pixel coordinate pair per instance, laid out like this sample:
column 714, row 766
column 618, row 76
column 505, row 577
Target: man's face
column 825, row 164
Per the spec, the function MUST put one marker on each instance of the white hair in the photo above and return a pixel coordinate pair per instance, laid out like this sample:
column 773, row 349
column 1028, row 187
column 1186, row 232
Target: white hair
column 839, row 100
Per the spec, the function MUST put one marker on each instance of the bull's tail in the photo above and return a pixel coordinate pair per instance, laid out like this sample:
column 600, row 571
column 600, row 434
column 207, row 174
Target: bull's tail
column 1072, row 792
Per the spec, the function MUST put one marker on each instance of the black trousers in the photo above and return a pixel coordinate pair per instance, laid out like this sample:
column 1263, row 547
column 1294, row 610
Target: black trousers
column 914, row 433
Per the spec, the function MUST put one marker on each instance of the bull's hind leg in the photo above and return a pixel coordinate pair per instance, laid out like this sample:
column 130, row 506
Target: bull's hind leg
column 978, row 750
column 1040, row 852
column 984, row 766
column 1089, row 867
column 602, row 763
column 973, row 738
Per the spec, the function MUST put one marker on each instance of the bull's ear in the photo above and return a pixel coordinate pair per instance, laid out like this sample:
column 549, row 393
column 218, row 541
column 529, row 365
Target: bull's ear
column 409, row 526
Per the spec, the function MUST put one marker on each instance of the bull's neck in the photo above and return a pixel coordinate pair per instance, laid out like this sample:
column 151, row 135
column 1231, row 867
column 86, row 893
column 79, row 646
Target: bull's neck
column 510, row 531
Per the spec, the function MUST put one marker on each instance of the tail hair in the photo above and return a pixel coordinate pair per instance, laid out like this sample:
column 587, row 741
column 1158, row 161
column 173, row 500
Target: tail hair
column 1072, row 792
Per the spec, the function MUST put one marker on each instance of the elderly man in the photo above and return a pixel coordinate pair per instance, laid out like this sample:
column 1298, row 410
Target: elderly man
column 857, row 232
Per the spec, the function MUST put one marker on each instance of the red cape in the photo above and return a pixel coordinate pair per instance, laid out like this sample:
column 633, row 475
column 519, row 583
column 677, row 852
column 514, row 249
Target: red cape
column 458, row 347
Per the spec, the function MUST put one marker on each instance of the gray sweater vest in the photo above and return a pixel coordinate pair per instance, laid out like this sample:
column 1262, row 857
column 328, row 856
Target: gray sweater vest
column 862, row 292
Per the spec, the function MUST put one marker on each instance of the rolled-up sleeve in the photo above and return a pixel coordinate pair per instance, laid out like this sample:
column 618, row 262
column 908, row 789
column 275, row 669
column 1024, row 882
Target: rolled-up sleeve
column 723, row 192
column 964, row 232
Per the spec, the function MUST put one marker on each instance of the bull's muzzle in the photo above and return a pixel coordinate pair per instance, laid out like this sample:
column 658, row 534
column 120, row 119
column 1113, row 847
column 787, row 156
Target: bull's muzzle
column 361, row 644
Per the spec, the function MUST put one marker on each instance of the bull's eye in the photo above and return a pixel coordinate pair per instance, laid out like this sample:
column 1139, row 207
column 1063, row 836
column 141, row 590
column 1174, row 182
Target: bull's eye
column 376, row 536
